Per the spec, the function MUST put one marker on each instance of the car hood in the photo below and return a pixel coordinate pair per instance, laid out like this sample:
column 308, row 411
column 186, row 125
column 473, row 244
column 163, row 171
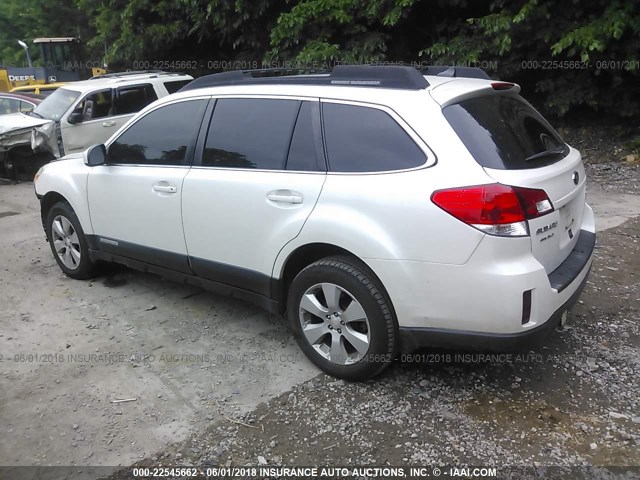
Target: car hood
column 19, row 129
column 12, row 122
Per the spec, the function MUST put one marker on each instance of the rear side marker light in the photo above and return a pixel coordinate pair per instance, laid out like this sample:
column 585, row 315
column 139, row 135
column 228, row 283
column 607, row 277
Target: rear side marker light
column 495, row 209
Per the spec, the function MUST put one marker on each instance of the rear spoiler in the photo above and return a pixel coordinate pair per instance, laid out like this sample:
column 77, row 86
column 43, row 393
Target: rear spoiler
column 453, row 71
column 452, row 92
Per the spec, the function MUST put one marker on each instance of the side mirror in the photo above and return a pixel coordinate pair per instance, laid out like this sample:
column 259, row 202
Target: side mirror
column 96, row 155
column 75, row 117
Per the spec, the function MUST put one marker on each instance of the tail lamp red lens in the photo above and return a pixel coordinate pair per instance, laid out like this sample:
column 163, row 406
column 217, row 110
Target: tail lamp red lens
column 502, row 85
column 495, row 208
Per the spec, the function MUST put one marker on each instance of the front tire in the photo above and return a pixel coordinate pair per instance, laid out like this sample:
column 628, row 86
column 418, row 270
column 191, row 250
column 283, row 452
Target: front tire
column 341, row 318
column 68, row 242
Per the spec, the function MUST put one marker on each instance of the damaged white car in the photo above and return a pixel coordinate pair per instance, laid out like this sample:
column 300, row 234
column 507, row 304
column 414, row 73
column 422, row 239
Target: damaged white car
column 79, row 115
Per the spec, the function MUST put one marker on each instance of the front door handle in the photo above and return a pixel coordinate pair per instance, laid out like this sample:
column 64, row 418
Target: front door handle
column 285, row 196
column 109, row 123
column 165, row 188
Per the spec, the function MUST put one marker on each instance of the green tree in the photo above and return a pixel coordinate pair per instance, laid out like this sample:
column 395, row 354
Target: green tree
column 29, row 19
column 573, row 54
column 182, row 29
column 337, row 30
column 570, row 54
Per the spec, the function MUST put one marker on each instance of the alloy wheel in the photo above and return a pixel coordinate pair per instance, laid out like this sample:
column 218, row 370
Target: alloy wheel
column 66, row 242
column 334, row 323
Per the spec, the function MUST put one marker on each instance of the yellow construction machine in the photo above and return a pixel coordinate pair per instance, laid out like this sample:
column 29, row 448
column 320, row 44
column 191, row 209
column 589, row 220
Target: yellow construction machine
column 62, row 62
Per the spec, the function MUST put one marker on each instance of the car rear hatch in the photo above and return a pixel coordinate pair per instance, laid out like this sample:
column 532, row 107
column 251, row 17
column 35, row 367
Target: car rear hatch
column 516, row 146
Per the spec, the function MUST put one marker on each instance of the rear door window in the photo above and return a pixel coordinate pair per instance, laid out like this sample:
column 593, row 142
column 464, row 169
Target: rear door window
column 505, row 132
column 250, row 133
column 133, row 99
column 365, row 139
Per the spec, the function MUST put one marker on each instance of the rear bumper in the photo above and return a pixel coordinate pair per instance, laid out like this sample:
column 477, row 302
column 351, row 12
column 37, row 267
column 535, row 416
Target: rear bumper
column 501, row 299
column 568, row 270
column 414, row 338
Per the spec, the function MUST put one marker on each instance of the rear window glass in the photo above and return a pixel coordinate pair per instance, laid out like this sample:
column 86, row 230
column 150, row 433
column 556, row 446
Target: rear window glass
column 505, row 132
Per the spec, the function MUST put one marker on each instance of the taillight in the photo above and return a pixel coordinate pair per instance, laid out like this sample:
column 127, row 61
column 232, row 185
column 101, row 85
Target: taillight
column 534, row 202
column 502, row 85
column 495, row 209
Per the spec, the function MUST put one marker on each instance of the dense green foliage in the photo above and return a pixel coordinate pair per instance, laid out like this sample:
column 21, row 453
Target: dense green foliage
column 29, row 19
column 587, row 53
column 570, row 56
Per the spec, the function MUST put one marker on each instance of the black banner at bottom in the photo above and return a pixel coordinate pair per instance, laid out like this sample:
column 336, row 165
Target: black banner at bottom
column 318, row 472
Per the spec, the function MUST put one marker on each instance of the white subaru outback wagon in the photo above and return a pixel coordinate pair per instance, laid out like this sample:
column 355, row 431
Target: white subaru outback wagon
column 382, row 208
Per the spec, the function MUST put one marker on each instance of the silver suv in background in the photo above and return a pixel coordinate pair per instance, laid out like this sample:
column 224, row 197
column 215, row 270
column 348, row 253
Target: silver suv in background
column 81, row 114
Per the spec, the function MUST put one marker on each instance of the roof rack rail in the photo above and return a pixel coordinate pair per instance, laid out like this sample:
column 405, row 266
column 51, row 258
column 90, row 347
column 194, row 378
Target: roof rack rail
column 398, row 77
column 131, row 73
column 453, row 71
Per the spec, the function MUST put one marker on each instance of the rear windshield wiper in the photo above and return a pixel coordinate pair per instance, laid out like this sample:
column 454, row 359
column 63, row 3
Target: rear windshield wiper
column 546, row 153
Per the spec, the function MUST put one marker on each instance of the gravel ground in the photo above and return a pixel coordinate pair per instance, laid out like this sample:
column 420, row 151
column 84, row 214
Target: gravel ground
column 614, row 177
column 604, row 150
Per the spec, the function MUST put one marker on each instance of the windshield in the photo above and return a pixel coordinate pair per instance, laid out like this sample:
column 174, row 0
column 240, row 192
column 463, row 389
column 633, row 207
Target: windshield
column 55, row 105
column 505, row 132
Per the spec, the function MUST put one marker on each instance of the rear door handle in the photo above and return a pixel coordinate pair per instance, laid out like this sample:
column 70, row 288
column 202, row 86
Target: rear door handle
column 165, row 188
column 109, row 123
column 285, row 196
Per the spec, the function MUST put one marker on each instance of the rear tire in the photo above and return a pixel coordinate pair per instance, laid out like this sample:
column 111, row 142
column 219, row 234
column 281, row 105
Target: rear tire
column 68, row 242
column 341, row 318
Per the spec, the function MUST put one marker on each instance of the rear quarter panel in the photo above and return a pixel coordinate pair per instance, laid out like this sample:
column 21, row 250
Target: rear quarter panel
column 388, row 217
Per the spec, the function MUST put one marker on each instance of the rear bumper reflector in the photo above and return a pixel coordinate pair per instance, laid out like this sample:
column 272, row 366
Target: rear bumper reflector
column 526, row 306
